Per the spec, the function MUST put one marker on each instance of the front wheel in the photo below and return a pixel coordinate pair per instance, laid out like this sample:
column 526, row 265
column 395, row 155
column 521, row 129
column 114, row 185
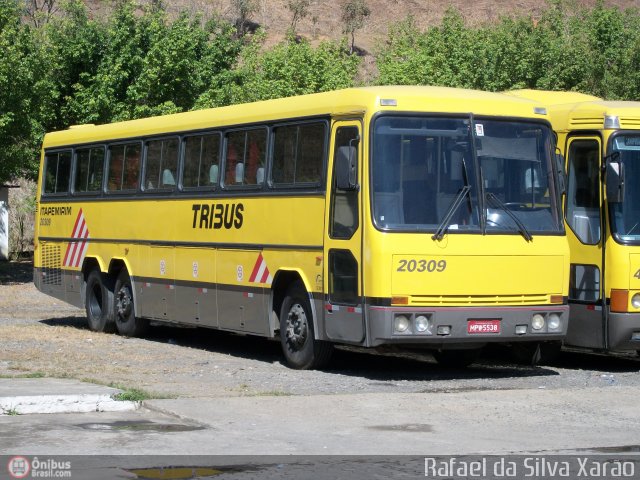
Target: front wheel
column 301, row 350
column 98, row 302
column 126, row 321
column 457, row 358
column 536, row 353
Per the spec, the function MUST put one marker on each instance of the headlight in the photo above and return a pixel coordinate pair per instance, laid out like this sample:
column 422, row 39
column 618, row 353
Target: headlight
column 554, row 321
column 422, row 323
column 537, row 322
column 635, row 300
column 400, row 323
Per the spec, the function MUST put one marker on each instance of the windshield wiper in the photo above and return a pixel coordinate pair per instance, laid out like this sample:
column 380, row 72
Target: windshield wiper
column 444, row 225
column 521, row 228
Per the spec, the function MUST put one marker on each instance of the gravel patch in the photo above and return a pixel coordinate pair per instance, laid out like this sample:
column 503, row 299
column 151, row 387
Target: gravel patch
column 42, row 336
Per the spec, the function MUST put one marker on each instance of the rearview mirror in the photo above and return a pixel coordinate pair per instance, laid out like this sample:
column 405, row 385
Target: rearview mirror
column 562, row 173
column 614, row 178
column 346, row 167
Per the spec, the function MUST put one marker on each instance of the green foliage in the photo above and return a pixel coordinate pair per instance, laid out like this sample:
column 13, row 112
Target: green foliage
column 20, row 69
column 60, row 66
column 596, row 51
column 292, row 67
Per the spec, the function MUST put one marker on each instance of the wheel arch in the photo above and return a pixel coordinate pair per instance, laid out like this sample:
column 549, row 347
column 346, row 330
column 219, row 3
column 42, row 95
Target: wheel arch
column 282, row 280
column 116, row 265
column 89, row 263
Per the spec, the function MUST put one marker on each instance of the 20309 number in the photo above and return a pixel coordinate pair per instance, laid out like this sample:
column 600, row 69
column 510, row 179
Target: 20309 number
column 422, row 266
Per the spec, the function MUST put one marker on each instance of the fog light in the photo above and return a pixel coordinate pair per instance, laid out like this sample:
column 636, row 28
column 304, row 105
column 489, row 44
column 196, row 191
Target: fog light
column 635, row 336
column 635, row 300
column 537, row 322
column 521, row 329
column 422, row 323
column 553, row 322
column 401, row 323
column 444, row 330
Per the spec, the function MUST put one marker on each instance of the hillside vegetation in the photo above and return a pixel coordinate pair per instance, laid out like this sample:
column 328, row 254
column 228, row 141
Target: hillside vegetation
column 113, row 61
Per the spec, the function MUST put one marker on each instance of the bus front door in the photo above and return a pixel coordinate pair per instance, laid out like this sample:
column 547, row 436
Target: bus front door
column 583, row 212
column 344, row 321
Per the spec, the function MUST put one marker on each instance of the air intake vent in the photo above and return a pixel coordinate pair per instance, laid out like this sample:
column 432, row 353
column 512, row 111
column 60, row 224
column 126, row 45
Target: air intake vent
column 50, row 261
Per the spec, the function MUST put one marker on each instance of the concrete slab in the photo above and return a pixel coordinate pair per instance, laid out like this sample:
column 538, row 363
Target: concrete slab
column 476, row 422
column 20, row 396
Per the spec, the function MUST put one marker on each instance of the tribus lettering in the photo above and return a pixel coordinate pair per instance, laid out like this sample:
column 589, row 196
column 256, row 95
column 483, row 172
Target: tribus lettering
column 217, row 215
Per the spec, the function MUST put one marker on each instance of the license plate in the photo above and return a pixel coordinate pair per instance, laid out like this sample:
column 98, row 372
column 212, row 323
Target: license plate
column 483, row 326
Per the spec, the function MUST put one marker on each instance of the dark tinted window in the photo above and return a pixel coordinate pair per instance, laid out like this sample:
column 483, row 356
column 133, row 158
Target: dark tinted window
column 161, row 167
column 89, row 169
column 201, row 161
column 124, row 167
column 245, row 157
column 298, row 154
column 57, row 171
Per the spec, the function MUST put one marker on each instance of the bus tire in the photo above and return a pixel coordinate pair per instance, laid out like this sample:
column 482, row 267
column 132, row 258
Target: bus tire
column 456, row 358
column 98, row 303
column 536, row 353
column 123, row 307
column 301, row 350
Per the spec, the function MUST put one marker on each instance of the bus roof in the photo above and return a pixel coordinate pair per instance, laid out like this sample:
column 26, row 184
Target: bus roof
column 579, row 111
column 346, row 102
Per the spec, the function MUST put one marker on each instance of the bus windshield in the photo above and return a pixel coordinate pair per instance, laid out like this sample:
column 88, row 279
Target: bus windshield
column 625, row 224
column 448, row 174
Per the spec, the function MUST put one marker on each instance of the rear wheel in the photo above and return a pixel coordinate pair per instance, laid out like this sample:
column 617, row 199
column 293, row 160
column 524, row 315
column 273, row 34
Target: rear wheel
column 99, row 302
column 301, row 349
column 126, row 321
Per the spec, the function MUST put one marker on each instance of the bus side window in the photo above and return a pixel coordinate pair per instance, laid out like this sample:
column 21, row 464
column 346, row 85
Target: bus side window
column 246, row 153
column 161, row 164
column 57, row 172
column 89, row 168
column 132, row 167
column 124, row 167
column 201, row 160
column 298, row 154
column 255, row 156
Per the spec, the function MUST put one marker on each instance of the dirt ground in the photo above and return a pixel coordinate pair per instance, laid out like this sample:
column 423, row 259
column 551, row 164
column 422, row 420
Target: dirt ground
column 42, row 336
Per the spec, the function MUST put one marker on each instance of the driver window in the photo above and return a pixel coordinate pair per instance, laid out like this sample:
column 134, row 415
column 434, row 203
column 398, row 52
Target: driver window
column 583, row 192
column 344, row 203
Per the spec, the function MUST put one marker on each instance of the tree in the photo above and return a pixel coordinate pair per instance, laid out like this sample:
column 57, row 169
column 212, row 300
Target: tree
column 242, row 10
column 22, row 201
column 354, row 13
column 41, row 11
column 299, row 9
column 20, row 95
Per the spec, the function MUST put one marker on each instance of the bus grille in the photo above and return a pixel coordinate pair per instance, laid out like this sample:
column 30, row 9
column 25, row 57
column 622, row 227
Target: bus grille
column 629, row 122
column 597, row 122
column 466, row 300
column 50, row 261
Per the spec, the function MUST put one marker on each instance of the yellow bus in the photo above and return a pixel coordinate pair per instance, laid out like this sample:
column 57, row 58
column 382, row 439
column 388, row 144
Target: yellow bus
column 601, row 143
column 414, row 217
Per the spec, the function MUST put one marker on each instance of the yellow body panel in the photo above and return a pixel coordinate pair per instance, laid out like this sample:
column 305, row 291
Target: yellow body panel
column 238, row 242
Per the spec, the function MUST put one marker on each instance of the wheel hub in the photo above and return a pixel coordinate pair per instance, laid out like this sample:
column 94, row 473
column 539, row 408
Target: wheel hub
column 124, row 302
column 297, row 326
